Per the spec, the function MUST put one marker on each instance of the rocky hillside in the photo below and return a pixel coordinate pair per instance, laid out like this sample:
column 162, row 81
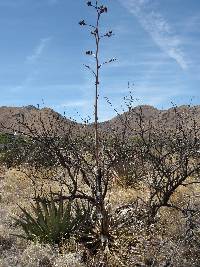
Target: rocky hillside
column 158, row 118
column 11, row 118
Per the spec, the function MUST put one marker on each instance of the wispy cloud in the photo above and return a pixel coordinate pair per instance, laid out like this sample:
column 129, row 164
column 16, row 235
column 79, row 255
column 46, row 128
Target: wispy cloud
column 38, row 50
column 74, row 104
column 25, row 83
column 159, row 29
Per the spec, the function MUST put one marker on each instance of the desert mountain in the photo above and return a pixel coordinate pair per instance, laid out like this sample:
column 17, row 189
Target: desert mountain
column 11, row 118
column 166, row 118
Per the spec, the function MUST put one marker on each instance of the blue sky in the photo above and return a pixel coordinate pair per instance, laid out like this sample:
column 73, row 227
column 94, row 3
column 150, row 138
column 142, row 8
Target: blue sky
column 42, row 52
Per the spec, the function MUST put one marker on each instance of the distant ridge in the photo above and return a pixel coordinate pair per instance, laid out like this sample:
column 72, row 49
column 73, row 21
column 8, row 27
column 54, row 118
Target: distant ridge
column 9, row 117
column 157, row 117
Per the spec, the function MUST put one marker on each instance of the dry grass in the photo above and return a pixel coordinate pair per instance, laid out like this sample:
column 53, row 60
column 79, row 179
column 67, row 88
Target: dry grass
column 138, row 246
column 16, row 190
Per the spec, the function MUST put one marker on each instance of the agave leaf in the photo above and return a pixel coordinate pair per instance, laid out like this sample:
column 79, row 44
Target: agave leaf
column 53, row 221
column 20, row 236
column 67, row 213
column 40, row 216
column 27, row 217
column 40, row 221
column 45, row 209
column 28, row 229
column 60, row 208
column 52, row 214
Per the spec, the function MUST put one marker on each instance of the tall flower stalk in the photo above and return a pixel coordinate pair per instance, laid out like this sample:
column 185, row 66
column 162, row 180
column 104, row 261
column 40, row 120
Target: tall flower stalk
column 95, row 70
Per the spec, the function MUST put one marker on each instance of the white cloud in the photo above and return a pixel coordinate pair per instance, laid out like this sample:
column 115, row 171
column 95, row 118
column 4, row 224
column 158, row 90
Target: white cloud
column 158, row 28
column 38, row 50
column 73, row 104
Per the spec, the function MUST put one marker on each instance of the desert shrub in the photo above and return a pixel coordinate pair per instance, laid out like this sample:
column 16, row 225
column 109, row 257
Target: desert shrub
column 23, row 151
column 6, row 138
column 51, row 222
column 126, row 161
column 36, row 254
column 12, row 149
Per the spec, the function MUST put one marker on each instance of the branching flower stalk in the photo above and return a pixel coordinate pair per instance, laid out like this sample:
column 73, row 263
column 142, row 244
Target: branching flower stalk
column 95, row 32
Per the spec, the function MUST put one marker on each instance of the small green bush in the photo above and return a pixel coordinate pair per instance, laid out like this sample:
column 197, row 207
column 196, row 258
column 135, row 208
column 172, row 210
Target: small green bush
column 51, row 222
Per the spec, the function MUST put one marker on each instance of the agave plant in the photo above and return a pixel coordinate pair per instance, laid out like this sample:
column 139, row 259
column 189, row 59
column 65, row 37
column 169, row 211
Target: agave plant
column 51, row 222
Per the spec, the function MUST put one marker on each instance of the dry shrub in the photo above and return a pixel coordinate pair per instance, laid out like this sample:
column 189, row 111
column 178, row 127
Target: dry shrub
column 120, row 196
column 68, row 260
column 38, row 255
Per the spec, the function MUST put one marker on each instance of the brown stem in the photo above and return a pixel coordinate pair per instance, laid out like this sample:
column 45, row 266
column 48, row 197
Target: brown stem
column 97, row 38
